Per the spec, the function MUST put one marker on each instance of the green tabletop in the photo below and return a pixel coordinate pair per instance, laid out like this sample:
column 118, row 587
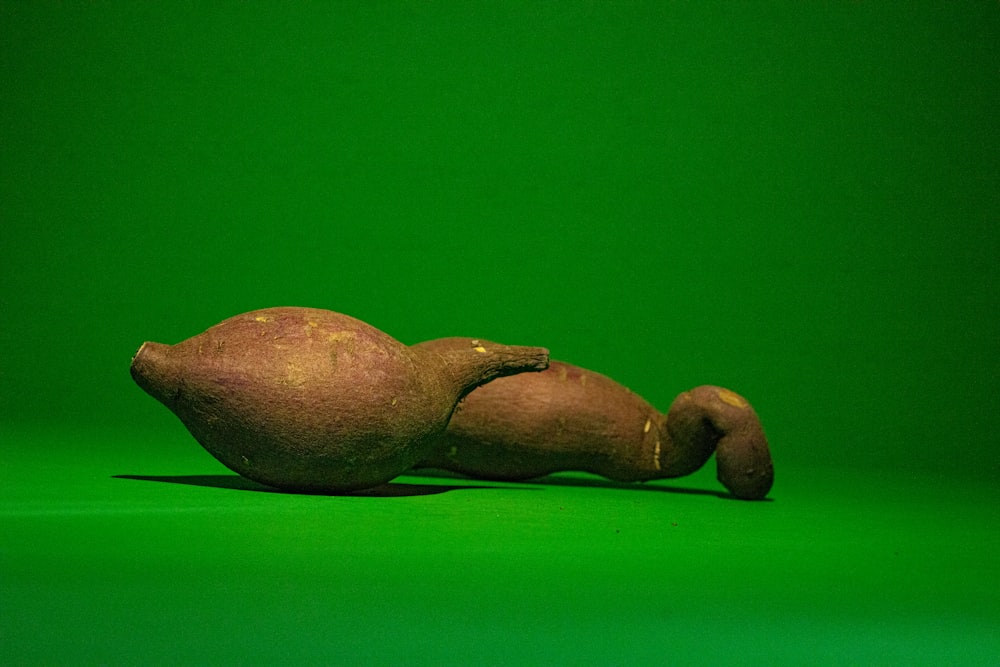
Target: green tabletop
column 146, row 551
column 797, row 201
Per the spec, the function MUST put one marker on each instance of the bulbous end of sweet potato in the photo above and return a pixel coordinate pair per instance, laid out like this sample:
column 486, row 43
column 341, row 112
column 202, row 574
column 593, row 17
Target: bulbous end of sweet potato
column 743, row 458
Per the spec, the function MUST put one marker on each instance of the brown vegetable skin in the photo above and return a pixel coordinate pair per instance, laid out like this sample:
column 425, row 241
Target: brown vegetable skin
column 315, row 401
column 569, row 418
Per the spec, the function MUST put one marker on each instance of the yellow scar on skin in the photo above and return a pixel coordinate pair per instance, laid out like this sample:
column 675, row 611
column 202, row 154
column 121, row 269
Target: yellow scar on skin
column 731, row 398
column 340, row 335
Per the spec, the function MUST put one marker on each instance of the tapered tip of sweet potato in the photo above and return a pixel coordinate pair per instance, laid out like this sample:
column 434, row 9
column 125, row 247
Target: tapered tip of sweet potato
column 151, row 370
column 717, row 417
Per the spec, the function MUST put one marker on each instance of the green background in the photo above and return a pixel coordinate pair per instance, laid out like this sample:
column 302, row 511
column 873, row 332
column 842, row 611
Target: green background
column 798, row 201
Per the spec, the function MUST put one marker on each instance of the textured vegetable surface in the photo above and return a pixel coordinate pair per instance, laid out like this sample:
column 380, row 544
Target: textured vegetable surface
column 569, row 418
column 311, row 400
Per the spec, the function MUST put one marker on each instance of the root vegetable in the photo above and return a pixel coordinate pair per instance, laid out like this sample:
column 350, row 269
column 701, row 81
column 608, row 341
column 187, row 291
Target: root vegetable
column 568, row 418
column 315, row 401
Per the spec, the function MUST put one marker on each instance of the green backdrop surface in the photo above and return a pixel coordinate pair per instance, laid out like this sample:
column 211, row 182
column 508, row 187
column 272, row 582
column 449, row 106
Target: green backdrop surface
column 796, row 201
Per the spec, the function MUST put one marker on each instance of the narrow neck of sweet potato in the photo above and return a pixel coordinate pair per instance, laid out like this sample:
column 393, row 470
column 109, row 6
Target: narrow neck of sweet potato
column 469, row 362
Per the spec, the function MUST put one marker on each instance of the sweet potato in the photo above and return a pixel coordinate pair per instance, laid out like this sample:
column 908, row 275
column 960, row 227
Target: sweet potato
column 568, row 418
column 311, row 400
